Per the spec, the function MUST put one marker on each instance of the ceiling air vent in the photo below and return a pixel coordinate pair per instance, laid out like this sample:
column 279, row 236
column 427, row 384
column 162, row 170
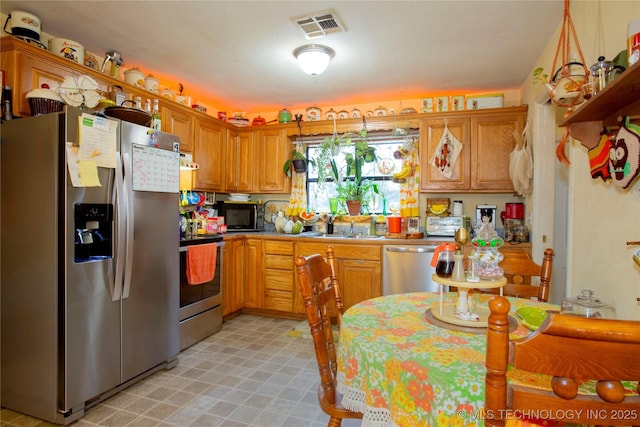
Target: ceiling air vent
column 319, row 24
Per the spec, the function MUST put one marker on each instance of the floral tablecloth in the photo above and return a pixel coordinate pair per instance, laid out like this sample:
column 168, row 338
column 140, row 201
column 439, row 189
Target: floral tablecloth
column 400, row 370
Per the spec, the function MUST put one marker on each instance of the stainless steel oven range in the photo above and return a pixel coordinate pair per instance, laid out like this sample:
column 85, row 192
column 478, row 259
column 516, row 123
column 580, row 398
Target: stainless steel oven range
column 200, row 305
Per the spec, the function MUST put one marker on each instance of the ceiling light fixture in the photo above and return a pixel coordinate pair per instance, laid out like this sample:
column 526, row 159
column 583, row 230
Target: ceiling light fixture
column 314, row 58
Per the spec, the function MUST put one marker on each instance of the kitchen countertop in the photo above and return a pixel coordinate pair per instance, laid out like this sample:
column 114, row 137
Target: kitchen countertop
column 312, row 236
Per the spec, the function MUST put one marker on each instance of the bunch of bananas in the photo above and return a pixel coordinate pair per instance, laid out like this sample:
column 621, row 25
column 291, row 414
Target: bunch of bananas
column 405, row 172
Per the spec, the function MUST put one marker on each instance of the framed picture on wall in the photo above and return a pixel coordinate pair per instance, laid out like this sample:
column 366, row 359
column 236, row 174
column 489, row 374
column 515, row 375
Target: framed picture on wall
column 442, row 104
column 457, row 103
column 427, row 105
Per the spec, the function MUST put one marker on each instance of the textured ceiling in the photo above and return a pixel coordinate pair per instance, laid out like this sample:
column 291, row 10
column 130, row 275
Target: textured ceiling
column 240, row 52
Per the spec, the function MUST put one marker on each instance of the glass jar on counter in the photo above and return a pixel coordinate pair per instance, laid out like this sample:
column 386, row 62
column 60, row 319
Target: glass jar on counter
column 521, row 233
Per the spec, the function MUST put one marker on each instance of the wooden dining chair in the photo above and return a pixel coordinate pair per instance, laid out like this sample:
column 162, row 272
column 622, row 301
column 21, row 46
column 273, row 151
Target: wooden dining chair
column 320, row 290
column 520, row 269
column 567, row 350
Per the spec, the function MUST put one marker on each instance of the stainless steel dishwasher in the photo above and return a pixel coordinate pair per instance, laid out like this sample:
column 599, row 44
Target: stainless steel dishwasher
column 408, row 269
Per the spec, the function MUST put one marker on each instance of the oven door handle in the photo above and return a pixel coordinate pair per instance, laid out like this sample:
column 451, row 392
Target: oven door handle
column 184, row 248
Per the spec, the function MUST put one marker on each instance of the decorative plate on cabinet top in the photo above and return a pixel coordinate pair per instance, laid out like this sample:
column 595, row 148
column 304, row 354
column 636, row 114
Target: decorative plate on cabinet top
column 381, row 111
column 314, row 113
column 330, row 115
column 343, row 114
column 78, row 90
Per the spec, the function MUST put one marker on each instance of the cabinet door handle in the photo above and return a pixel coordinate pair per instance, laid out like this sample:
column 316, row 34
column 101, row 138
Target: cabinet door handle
column 635, row 243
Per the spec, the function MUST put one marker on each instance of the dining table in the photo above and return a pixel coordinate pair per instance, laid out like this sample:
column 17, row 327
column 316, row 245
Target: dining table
column 401, row 367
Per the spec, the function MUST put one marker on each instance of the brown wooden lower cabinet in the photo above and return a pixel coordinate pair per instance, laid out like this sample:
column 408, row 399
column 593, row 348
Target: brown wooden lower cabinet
column 233, row 271
column 252, row 282
column 359, row 271
column 278, row 275
column 260, row 275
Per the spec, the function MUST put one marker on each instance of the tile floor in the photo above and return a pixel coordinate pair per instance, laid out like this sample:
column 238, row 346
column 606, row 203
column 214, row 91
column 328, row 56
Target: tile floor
column 248, row 374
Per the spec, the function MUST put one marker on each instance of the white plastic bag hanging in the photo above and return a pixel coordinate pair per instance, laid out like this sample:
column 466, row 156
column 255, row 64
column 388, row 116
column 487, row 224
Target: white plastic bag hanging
column 446, row 154
column 521, row 163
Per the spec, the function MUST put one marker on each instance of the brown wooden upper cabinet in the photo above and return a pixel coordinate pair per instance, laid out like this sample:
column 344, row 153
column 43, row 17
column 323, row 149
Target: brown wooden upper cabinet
column 240, row 165
column 208, row 151
column 483, row 162
column 179, row 123
column 273, row 148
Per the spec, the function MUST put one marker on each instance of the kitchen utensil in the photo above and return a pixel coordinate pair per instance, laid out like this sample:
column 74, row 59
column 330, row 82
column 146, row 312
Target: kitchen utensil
column 284, row 116
column 168, row 93
column 565, row 86
column 409, row 110
column 67, row 49
column 512, row 211
column 587, row 305
column 78, row 90
column 129, row 114
column 461, row 236
column 603, row 72
column 443, row 259
column 113, row 57
column 44, row 101
column 457, row 208
column 134, row 77
column 23, row 24
column 532, row 317
column 394, row 224
column 257, row 121
column 151, row 84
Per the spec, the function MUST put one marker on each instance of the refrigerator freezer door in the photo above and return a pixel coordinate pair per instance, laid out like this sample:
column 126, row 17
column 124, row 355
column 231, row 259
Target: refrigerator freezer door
column 60, row 327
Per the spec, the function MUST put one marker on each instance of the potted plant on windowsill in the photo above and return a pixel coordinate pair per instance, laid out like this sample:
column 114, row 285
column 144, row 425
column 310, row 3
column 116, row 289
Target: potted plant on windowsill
column 355, row 191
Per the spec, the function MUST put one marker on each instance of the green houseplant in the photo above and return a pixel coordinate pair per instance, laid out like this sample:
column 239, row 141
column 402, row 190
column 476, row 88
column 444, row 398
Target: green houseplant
column 354, row 190
column 298, row 161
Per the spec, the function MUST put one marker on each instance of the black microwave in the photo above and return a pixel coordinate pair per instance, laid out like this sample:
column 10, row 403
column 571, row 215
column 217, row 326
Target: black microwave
column 242, row 216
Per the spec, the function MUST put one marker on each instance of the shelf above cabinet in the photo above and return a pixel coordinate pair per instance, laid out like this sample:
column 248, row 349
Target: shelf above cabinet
column 619, row 98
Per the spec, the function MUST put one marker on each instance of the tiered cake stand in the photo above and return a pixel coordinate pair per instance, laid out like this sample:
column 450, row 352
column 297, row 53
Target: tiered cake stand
column 446, row 311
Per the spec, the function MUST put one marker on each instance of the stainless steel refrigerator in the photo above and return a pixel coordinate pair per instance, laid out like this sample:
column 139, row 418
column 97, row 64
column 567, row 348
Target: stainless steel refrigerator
column 89, row 260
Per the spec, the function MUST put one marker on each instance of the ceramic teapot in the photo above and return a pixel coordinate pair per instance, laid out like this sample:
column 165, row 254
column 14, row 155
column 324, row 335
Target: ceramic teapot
column 565, row 89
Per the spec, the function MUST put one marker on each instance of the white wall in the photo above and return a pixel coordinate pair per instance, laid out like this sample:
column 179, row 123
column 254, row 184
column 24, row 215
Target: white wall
column 601, row 217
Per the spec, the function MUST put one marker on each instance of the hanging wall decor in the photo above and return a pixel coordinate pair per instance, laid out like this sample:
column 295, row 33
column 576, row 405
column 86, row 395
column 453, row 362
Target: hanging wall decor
column 624, row 154
column 565, row 88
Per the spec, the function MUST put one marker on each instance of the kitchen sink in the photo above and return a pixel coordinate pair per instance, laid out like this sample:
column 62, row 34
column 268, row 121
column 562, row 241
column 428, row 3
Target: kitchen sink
column 349, row 236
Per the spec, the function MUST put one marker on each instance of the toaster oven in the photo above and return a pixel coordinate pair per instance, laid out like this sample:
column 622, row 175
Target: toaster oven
column 443, row 226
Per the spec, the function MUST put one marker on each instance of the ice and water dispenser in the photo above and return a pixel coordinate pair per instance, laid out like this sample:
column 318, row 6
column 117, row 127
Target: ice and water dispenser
column 93, row 225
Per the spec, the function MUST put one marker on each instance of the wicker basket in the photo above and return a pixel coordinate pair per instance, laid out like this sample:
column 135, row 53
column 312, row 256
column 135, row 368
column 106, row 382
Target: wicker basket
column 40, row 106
